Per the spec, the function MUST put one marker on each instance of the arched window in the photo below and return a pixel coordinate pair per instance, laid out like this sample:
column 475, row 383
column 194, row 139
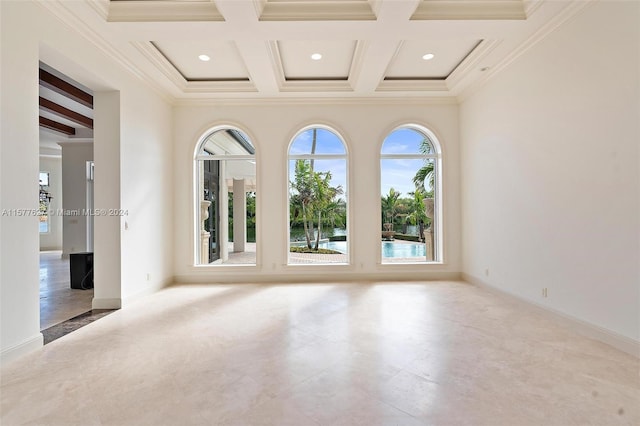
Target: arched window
column 318, row 198
column 410, row 197
column 225, row 199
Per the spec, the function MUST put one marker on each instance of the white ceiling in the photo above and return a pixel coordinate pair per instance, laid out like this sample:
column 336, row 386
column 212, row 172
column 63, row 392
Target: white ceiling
column 260, row 49
column 225, row 62
column 297, row 64
column 448, row 54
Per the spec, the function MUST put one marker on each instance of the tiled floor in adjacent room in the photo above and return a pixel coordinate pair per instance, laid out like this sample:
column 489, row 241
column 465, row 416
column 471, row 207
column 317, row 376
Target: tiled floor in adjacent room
column 433, row 353
column 58, row 301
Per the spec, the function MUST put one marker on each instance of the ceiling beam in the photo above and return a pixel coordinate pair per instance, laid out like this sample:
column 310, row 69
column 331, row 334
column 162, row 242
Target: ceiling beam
column 59, row 110
column 470, row 10
column 60, row 86
column 163, row 11
column 58, row 127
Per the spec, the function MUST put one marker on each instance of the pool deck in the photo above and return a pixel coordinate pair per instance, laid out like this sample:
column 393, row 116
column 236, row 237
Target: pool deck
column 248, row 257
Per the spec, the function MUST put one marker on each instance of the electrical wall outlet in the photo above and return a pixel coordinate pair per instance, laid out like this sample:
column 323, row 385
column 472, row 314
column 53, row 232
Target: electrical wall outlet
column 486, row 272
column 545, row 292
column 148, row 276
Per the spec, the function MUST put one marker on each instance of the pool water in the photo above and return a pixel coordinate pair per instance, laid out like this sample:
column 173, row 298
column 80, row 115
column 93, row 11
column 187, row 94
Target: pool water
column 389, row 249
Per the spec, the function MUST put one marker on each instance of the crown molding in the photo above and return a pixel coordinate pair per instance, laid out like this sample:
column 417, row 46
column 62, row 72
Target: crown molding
column 356, row 63
column 163, row 11
column 319, row 101
column 259, row 6
column 468, row 64
column 530, row 6
column 318, row 10
column 153, row 54
column 409, row 85
column 209, row 87
column 469, row 10
column 50, row 152
column 76, row 142
column 101, row 7
column 558, row 20
column 276, row 62
column 69, row 19
column 316, row 86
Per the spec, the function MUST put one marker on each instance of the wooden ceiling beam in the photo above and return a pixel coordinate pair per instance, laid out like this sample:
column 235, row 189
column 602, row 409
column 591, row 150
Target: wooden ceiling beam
column 58, row 127
column 60, row 86
column 59, row 110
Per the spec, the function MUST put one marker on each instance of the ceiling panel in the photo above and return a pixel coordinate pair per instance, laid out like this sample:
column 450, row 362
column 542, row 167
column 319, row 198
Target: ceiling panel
column 409, row 64
column 225, row 61
column 161, row 11
column 335, row 64
column 470, row 9
column 262, row 48
column 316, row 10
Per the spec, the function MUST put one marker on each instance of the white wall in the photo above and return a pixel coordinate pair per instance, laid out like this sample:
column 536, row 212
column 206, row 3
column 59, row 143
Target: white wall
column 147, row 192
column 271, row 127
column 30, row 33
column 19, row 290
column 550, row 172
column 74, row 195
column 52, row 240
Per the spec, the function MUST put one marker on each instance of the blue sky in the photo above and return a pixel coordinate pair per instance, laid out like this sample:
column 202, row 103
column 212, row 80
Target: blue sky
column 326, row 143
column 403, row 141
column 396, row 173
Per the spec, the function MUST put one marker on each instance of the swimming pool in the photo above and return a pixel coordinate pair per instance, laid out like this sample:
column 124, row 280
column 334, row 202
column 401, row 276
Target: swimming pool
column 389, row 248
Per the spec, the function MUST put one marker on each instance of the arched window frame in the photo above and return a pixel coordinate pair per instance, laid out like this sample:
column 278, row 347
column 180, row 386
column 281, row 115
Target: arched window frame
column 346, row 158
column 198, row 157
column 438, row 180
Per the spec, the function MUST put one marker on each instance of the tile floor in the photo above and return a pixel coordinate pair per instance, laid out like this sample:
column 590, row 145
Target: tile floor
column 433, row 353
column 58, row 301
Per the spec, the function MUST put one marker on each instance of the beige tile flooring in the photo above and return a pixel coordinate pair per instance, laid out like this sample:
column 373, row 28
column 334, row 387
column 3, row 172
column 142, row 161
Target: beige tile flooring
column 432, row 353
column 58, row 301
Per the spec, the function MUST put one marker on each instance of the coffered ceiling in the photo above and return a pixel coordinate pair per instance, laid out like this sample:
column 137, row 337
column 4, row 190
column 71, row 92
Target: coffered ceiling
column 313, row 48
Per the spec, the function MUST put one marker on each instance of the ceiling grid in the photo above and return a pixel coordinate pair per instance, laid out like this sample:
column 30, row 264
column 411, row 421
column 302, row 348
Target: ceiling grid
column 262, row 49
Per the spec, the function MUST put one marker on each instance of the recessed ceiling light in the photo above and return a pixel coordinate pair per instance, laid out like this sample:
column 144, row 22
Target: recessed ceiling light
column 428, row 56
column 204, row 58
column 316, row 56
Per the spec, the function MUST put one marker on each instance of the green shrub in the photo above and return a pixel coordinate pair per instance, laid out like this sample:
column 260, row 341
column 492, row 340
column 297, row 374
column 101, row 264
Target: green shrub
column 308, row 250
column 406, row 237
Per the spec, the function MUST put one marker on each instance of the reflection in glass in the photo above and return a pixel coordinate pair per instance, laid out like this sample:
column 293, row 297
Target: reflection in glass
column 227, row 199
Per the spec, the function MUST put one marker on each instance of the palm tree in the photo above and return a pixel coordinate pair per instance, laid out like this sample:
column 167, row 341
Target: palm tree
column 427, row 172
column 390, row 205
column 312, row 198
column 418, row 215
column 325, row 196
column 304, row 196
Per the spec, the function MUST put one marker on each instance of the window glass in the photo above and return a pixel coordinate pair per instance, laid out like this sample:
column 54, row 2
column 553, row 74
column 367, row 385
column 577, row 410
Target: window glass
column 318, row 198
column 409, row 198
column 226, row 204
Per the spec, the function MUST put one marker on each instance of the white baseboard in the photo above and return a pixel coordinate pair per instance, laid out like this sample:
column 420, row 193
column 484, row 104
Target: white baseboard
column 314, row 277
column 587, row 329
column 105, row 303
column 149, row 290
column 11, row 354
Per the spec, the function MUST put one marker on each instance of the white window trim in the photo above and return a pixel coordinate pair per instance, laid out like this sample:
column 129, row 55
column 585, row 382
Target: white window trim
column 438, row 246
